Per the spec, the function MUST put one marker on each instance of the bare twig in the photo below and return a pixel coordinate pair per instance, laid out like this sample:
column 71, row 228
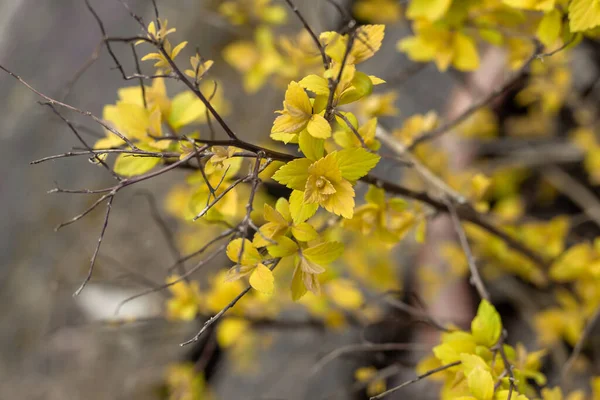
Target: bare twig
column 312, row 34
column 417, row 379
column 69, row 107
column 361, row 348
column 564, row 372
column 435, row 133
column 100, row 238
column 464, row 242
column 231, row 304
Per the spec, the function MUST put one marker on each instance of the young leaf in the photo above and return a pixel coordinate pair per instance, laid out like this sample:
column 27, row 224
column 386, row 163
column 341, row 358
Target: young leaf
column 486, row 327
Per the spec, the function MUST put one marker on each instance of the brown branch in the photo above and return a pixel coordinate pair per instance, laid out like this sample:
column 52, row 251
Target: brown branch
column 441, row 130
column 579, row 345
column 417, row 379
column 100, row 238
column 363, row 347
column 89, row 149
column 164, row 229
column 464, row 242
column 69, row 107
column 218, row 315
column 312, row 34
column 180, row 278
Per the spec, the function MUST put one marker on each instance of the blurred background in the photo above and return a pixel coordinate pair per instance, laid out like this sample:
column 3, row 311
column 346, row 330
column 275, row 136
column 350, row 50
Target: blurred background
column 54, row 346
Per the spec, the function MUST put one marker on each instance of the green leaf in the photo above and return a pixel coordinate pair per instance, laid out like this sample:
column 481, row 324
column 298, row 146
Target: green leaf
column 361, row 86
column 486, row 327
column 129, row 165
column 185, row 109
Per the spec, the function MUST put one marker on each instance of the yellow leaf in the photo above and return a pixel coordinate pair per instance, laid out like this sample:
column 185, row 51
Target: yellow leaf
column 130, row 165
column 185, row 109
column 300, row 210
column 312, row 147
column 293, row 174
column 230, row 331
column 481, row 384
column 367, row 42
column 345, row 294
column 503, row 395
column 284, row 247
column 486, row 327
column 466, row 57
column 272, row 215
column 584, row 15
column 324, row 253
column 470, row 361
column 428, row 9
column 316, row 84
column 262, row 279
column 453, row 345
column 304, row 232
column 355, row 163
column 361, row 86
column 549, row 28
column 250, row 255
column 297, row 111
column 479, row 186
column 318, row 127
column 298, row 288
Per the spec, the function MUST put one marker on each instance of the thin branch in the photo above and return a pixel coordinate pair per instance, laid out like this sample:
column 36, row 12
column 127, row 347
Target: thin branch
column 579, row 345
column 100, row 238
column 138, row 69
column 465, row 212
column 361, row 348
column 136, row 153
column 84, row 213
column 435, row 133
column 324, row 56
column 164, row 229
column 417, row 379
column 464, row 242
column 95, row 157
column 217, row 316
column 574, row 190
column 182, row 277
column 202, row 249
column 69, row 107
